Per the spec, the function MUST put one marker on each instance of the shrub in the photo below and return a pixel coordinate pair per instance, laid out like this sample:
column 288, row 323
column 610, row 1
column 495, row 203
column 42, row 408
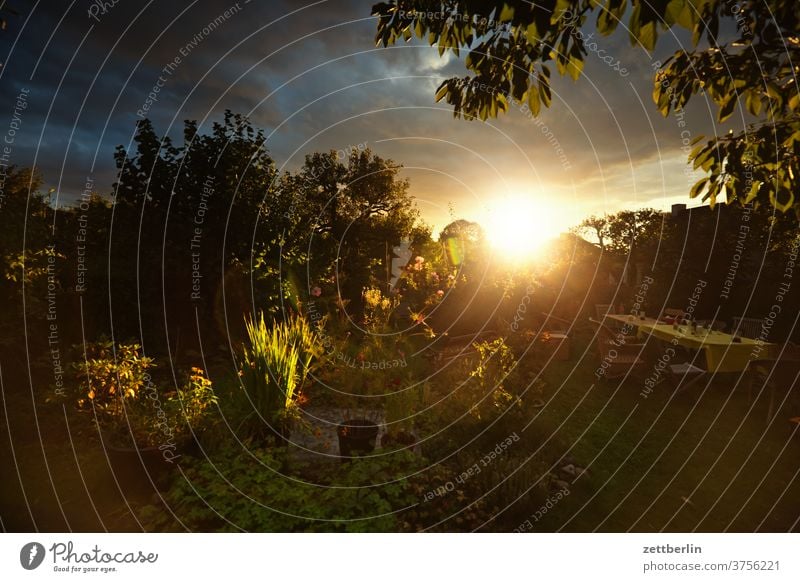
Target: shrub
column 109, row 378
column 193, row 402
column 129, row 407
column 491, row 378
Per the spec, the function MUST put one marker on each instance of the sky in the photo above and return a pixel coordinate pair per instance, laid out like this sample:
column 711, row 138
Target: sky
column 310, row 75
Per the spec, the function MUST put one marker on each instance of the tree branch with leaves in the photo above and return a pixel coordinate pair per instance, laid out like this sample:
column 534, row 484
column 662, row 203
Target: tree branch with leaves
column 511, row 46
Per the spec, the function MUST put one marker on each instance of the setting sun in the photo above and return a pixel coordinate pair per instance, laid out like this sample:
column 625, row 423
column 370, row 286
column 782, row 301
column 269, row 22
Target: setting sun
column 518, row 226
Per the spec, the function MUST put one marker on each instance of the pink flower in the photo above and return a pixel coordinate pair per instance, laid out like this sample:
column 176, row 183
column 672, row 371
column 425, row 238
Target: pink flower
column 440, row 293
column 419, row 259
column 316, row 291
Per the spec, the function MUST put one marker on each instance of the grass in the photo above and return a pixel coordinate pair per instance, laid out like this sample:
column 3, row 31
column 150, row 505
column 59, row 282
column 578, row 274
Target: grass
column 703, row 460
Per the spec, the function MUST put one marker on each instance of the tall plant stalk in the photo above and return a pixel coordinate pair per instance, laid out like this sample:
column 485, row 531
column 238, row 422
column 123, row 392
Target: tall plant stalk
column 276, row 365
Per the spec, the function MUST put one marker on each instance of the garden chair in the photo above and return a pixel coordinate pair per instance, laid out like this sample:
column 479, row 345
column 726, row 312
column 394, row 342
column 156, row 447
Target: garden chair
column 749, row 327
column 601, row 310
column 674, row 367
column 618, row 359
column 672, row 312
column 773, row 374
column 555, row 324
column 614, row 327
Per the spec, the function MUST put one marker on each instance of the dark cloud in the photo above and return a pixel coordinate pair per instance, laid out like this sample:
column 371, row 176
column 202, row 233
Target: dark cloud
column 313, row 79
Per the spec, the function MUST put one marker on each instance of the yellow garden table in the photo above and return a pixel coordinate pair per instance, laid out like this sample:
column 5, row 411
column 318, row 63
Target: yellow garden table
column 722, row 353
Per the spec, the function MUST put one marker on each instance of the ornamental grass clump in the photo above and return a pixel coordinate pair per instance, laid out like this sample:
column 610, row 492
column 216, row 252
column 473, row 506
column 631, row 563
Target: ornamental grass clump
column 275, row 366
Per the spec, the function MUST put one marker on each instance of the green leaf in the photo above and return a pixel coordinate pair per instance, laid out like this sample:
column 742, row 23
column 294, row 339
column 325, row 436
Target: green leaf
column 794, row 101
column 782, row 206
column 502, row 103
column 713, row 191
column 544, row 92
column 574, row 67
column 560, row 64
column 531, row 34
column 697, row 32
column 774, row 92
column 702, row 158
column 533, row 100
column 442, row 91
column 726, row 109
column 506, row 14
column 731, row 189
column 753, row 193
column 647, row 35
column 753, row 102
column 698, row 188
column 688, row 16
column 671, row 12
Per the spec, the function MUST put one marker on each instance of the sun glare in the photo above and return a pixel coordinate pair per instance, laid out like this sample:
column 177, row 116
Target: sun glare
column 519, row 226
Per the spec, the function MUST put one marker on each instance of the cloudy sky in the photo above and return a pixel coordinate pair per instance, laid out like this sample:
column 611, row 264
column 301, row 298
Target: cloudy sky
column 310, row 75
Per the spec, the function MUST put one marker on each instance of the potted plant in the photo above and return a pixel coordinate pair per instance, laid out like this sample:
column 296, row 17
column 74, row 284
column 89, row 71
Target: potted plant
column 380, row 375
column 357, row 437
column 358, row 431
column 274, row 369
column 140, row 427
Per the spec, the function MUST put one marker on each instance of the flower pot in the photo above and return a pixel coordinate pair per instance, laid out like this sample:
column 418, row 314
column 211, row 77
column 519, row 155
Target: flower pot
column 356, row 437
column 138, row 469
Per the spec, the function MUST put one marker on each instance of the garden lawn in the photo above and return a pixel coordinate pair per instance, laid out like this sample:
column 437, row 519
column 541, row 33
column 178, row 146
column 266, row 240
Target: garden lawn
column 701, row 460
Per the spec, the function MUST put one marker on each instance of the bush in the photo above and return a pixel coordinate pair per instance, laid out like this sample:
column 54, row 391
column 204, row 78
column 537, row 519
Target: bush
column 129, row 407
column 491, row 377
column 193, row 403
column 109, row 378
